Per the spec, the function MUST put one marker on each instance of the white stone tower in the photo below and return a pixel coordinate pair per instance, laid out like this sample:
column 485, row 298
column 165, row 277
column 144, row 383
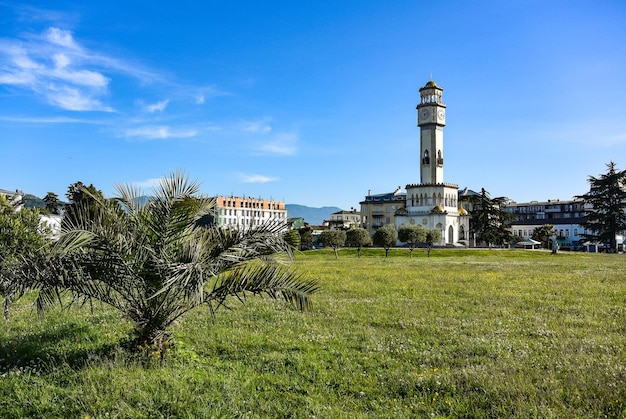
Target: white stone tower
column 431, row 118
column 432, row 203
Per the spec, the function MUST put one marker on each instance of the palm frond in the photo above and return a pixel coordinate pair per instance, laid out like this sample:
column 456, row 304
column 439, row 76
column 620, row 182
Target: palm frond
column 154, row 262
column 271, row 279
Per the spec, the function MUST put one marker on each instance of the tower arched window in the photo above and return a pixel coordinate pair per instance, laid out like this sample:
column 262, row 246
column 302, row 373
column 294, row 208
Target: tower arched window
column 439, row 158
column 426, row 159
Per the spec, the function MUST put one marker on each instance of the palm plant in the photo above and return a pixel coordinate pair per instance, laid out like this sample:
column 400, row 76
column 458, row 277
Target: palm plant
column 154, row 262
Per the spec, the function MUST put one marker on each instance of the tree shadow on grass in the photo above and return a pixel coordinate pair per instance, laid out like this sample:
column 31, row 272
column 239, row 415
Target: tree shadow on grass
column 42, row 351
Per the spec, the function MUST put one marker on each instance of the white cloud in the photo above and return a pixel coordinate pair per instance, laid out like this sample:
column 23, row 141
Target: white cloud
column 55, row 67
column 159, row 106
column 617, row 139
column 61, row 37
column 256, row 178
column 284, row 145
column 148, row 183
column 50, row 120
column 159, row 133
column 74, row 99
column 260, row 126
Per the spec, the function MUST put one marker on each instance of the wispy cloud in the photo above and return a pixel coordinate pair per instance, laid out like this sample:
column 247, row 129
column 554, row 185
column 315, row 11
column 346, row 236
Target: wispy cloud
column 160, row 132
column 54, row 66
column 284, row 145
column 148, row 183
column 617, row 139
column 259, row 126
column 245, row 178
column 49, row 120
column 62, row 38
column 159, row 106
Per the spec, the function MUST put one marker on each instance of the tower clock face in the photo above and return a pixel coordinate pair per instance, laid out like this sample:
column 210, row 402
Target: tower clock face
column 441, row 115
column 424, row 113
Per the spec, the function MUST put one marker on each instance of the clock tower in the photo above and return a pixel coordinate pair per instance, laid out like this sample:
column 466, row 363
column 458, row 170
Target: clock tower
column 432, row 203
column 431, row 118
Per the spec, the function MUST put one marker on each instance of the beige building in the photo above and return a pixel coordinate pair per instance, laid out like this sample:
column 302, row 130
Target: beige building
column 344, row 220
column 238, row 212
column 378, row 210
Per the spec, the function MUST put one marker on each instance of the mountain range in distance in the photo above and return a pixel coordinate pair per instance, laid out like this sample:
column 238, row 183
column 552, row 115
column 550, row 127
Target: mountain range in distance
column 311, row 215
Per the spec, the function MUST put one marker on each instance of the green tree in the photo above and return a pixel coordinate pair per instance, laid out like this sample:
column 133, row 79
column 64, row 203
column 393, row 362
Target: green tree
column 52, row 202
column 411, row 234
column 306, row 237
column 385, row 237
column 432, row 236
column 334, row 239
column 605, row 204
column 358, row 237
column 293, row 239
column 154, row 263
column 543, row 234
column 22, row 240
column 489, row 219
column 83, row 203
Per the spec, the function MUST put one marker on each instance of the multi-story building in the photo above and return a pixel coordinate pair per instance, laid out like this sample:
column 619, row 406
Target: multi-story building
column 238, row 212
column 380, row 209
column 565, row 217
column 343, row 220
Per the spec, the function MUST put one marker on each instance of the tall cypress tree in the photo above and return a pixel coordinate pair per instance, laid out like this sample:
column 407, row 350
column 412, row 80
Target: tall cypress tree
column 490, row 221
column 605, row 204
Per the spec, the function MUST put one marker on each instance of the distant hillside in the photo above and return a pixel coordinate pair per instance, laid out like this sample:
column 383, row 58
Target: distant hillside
column 313, row 216
column 32, row 201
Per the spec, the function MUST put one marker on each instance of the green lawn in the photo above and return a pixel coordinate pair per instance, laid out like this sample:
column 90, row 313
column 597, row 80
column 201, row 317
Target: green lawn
column 464, row 333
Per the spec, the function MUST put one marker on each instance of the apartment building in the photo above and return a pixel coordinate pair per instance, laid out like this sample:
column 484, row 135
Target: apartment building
column 565, row 217
column 378, row 210
column 241, row 212
column 343, row 220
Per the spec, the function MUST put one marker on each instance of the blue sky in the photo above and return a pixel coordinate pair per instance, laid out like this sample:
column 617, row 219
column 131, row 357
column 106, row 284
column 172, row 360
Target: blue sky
column 310, row 103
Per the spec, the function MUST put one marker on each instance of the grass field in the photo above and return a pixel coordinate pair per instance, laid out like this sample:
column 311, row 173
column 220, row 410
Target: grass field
column 464, row 333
